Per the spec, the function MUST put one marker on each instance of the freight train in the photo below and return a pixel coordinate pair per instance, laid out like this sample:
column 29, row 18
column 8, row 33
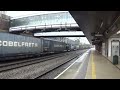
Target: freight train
column 14, row 46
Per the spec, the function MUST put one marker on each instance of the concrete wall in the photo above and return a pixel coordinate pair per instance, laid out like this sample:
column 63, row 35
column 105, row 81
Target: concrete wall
column 4, row 22
column 110, row 49
column 106, row 48
column 103, row 49
column 109, row 45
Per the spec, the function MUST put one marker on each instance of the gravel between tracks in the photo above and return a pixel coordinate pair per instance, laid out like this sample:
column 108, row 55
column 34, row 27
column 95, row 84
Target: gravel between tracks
column 54, row 73
column 35, row 70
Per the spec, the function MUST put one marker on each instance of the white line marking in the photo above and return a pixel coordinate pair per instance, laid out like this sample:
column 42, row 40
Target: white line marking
column 69, row 66
column 83, row 59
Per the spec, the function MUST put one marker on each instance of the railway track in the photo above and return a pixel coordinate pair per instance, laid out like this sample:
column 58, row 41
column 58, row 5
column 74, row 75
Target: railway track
column 11, row 66
column 43, row 76
column 52, row 69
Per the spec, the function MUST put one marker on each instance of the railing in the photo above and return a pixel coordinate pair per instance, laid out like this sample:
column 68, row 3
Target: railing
column 19, row 28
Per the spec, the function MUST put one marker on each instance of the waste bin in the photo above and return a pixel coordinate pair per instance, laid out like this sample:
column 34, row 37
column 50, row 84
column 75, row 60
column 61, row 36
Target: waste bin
column 115, row 60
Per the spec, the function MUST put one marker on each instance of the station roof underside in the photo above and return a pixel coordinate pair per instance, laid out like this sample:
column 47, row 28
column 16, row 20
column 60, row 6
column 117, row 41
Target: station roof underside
column 105, row 23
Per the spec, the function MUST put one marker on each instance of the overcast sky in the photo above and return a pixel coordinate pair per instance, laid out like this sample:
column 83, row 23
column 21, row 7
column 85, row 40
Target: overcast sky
column 28, row 13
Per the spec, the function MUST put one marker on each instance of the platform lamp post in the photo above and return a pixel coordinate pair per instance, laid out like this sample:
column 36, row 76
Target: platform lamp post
column 45, row 26
column 60, row 25
column 70, row 25
column 65, row 26
column 51, row 26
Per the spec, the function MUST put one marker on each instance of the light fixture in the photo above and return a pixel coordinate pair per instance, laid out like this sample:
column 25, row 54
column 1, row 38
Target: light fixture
column 101, row 25
column 98, row 35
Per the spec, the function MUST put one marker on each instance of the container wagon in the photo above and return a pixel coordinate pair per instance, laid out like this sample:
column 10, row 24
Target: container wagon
column 16, row 46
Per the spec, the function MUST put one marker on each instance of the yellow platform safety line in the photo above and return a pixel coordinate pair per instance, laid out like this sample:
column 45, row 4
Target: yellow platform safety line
column 93, row 68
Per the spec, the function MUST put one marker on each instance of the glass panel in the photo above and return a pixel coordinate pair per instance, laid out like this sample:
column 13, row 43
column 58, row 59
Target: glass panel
column 54, row 18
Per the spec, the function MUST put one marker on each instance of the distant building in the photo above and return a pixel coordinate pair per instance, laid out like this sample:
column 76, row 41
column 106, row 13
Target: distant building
column 4, row 21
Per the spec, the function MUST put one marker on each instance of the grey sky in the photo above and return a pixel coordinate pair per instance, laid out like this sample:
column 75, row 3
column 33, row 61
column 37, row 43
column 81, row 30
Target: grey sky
column 28, row 13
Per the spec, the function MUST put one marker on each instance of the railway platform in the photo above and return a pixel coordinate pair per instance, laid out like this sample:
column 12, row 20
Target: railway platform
column 91, row 65
column 100, row 67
